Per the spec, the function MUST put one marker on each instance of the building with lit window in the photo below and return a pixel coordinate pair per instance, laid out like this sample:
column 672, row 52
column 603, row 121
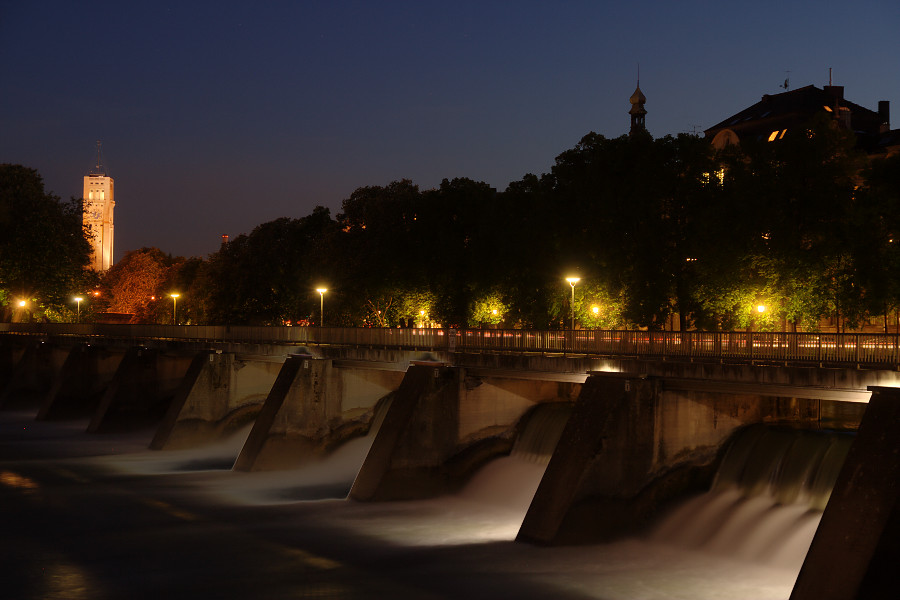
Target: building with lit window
column 772, row 117
column 99, row 202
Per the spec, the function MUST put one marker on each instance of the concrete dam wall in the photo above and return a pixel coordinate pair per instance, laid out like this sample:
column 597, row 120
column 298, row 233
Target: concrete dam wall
column 635, row 437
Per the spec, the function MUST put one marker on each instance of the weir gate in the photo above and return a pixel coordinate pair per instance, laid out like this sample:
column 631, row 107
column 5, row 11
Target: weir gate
column 649, row 414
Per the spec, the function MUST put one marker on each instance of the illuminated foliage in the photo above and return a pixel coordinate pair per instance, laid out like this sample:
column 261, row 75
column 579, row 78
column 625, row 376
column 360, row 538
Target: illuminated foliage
column 141, row 284
column 132, row 284
column 488, row 309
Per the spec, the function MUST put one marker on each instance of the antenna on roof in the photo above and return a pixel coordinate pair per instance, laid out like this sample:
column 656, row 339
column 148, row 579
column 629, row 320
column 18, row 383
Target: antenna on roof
column 99, row 145
column 787, row 82
column 829, row 76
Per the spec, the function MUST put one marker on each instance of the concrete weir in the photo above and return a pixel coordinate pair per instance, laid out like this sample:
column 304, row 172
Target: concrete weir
column 141, row 389
column 30, row 377
column 631, row 446
column 641, row 433
column 80, row 381
column 444, row 422
column 220, row 393
column 314, row 405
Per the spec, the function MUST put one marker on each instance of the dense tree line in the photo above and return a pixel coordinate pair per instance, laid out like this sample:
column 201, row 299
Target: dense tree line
column 43, row 249
column 660, row 231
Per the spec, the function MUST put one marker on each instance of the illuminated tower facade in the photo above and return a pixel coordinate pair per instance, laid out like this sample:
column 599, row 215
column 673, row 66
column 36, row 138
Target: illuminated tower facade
column 99, row 202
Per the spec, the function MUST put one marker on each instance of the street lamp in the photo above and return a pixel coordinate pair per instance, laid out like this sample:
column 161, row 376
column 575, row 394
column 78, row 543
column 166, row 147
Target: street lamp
column 22, row 304
column 175, row 297
column 572, row 281
column 321, row 305
column 78, row 300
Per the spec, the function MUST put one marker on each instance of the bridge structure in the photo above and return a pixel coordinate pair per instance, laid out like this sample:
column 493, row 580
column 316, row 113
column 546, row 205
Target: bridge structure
column 650, row 413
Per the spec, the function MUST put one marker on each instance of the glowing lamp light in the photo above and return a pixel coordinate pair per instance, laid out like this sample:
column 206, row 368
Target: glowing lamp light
column 761, row 308
column 572, row 281
column 22, row 303
column 78, row 300
column 175, row 296
column 321, row 291
column 595, row 309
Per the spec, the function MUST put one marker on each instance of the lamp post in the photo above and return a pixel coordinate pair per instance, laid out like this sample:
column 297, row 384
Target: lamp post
column 321, row 305
column 175, row 297
column 78, row 300
column 572, row 281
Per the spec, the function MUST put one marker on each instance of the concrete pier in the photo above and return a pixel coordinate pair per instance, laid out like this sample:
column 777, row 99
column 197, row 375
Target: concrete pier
column 856, row 549
column 30, row 377
column 78, row 384
column 141, row 390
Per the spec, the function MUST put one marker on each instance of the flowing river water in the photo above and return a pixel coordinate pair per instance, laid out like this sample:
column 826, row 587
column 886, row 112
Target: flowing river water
column 744, row 539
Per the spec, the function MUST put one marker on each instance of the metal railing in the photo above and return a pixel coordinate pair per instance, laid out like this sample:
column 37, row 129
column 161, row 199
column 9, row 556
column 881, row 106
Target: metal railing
column 821, row 348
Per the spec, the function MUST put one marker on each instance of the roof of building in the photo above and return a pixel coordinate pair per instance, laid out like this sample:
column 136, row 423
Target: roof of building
column 776, row 112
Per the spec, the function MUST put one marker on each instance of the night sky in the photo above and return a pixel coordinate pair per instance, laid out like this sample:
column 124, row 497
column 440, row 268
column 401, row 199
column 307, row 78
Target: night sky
column 218, row 116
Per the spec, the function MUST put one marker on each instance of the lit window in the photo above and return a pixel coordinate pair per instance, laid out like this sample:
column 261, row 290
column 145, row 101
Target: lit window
column 90, row 195
column 828, row 108
column 782, row 134
column 773, row 135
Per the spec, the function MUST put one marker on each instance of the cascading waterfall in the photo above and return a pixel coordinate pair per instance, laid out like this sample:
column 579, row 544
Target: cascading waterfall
column 333, row 475
column 511, row 481
column 490, row 507
column 766, row 499
column 541, row 433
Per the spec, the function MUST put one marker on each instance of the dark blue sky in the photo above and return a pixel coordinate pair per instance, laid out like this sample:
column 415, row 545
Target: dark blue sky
column 218, row 116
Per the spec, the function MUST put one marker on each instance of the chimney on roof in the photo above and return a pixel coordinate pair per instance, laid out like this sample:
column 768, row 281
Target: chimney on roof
column 836, row 91
column 884, row 114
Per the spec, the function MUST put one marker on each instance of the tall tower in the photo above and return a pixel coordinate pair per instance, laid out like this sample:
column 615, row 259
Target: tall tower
column 637, row 111
column 98, row 215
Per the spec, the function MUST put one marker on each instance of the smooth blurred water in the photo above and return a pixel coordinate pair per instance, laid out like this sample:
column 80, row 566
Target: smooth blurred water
column 739, row 541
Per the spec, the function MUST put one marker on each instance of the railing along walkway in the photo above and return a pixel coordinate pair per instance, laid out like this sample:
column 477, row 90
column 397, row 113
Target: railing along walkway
column 782, row 347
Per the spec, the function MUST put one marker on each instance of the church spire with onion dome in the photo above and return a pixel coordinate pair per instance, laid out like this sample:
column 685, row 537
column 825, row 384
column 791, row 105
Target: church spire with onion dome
column 637, row 111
